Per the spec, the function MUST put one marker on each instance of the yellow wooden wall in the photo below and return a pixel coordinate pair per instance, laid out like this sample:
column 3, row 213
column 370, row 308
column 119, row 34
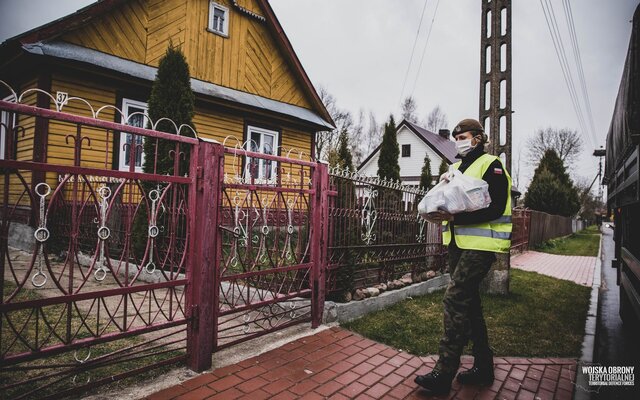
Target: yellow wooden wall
column 123, row 32
column 24, row 149
column 247, row 60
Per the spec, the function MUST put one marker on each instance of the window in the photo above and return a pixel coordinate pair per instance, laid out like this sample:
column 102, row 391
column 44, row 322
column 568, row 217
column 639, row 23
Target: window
column 406, row 150
column 218, row 19
column 134, row 114
column 6, row 118
column 262, row 141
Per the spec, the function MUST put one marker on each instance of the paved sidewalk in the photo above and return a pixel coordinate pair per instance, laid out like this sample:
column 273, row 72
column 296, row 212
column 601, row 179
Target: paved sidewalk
column 339, row 364
column 578, row 269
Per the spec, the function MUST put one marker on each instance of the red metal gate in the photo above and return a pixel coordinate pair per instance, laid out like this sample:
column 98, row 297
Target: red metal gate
column 107, row 274
column 270, row 248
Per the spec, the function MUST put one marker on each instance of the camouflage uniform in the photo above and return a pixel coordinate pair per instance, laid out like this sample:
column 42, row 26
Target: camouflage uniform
column 463, row 319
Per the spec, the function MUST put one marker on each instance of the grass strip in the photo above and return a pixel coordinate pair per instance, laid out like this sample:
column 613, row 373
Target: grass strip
column 541, row 317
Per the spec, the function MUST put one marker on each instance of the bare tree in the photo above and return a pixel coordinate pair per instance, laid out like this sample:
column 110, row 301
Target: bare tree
column 436, row 120
column 329, row 140
column 567, row 144
column 409, row 108
column 516, row 168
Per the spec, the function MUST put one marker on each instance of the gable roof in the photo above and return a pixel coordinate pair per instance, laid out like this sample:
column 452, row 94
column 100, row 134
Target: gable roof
column 54, row 29
column 445, row 148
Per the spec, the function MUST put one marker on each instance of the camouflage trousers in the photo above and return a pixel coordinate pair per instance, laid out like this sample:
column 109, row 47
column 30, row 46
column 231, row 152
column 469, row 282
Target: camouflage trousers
column 463, row 319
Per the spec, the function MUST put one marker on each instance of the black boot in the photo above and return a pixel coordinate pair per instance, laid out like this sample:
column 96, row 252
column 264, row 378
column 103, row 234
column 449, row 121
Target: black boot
column 479, row 374
column 435, row 382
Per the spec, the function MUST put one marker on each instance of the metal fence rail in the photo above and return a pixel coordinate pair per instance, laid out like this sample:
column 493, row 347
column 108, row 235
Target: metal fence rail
column 375, row 233
column 93, row 260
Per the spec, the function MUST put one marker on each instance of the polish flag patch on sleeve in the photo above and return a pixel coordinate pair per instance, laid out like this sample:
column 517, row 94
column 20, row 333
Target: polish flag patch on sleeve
column 497, row 171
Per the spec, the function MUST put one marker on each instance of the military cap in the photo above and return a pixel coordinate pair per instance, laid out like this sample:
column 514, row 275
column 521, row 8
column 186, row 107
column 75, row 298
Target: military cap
column 467, row 125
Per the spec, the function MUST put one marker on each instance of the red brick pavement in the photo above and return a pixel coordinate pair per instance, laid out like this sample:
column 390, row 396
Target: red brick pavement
column 578, row 269
column 339, row 364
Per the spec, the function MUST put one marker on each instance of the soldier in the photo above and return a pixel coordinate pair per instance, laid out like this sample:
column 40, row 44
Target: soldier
column 473, row 239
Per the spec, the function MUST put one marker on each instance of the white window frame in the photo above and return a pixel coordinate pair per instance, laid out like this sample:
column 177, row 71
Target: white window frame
column 127, row 104
column 261, row 162
column 6, row 118
column 225, row 24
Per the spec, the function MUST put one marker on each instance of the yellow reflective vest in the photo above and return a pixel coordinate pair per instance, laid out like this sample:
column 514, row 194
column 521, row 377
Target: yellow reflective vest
column 488, row 236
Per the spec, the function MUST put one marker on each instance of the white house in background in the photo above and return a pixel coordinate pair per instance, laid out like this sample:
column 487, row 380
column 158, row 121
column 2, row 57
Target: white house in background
column 414, row 141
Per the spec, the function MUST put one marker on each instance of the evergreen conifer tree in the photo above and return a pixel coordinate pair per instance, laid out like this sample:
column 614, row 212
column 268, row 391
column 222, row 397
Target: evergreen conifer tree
column 345, row 159
column 426, row 178
column 551, row 189
column 171, row 97
column 388, row 166
column 444, row 167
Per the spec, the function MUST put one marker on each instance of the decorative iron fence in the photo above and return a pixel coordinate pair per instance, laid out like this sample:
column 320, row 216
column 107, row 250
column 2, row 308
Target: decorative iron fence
column 375, row 233
column 108, row 274
column 81, row 303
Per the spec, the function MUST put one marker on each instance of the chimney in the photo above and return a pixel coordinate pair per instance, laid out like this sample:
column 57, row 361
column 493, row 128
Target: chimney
column 445, row 133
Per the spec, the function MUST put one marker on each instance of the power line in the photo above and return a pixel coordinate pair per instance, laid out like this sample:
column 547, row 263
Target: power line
column 579, row 64
column 415, row 41
column 558, row 44
column 424, row 49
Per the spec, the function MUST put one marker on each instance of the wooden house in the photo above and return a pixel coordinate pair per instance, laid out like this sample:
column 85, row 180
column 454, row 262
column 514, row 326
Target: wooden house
column 246, row 77
column 414, row 142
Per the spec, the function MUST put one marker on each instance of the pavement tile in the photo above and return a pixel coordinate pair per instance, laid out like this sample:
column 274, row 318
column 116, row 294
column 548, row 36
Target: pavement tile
column 304, row 386
column 353, row 389
column 278, row 386
column 511, row 384
column 251, row 372
column 324, row 376
column 400, row 391
column 312, row 396
column 405, row 370
column 256, row 395
column 384, row 369
column 347, row 377
column 362, row 369
column 392, row 380
column 329, row 388
column 530, row 384
column 377, row 360
column 543, row 394
column 517, row 374
column 370, row 379
column 525, row 395
column 168, row 393
column 224, row 383
column 378, row 390
column 341, row 367
column 370, row 351
column 548, row 384
column 486, row 394
column 500, row 374
column 357, row 359
column 252, row 385
column 228, row 394
column 506, row 394
column 199, row 381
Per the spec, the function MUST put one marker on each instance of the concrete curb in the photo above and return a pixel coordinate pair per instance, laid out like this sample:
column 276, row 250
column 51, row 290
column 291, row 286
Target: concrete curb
column 581, row 391
column 345, row 312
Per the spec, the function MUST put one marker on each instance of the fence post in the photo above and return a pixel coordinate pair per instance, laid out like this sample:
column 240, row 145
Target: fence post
column 319, row 242
column 202, row 287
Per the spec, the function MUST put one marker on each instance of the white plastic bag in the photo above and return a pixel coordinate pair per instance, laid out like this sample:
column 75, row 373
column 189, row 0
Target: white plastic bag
column 455, row 193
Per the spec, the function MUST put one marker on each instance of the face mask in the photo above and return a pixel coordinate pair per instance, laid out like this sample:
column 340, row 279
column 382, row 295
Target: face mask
column 464, row 147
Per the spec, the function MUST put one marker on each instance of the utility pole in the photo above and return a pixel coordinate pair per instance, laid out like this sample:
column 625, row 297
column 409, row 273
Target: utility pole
column 600, row 153
column 495, row 106
column 495, row 76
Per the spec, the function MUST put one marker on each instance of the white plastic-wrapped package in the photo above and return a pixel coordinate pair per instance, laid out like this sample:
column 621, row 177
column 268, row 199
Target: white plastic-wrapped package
column 454, row 194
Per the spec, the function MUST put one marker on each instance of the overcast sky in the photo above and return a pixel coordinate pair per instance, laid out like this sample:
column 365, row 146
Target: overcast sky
column 359, row 50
